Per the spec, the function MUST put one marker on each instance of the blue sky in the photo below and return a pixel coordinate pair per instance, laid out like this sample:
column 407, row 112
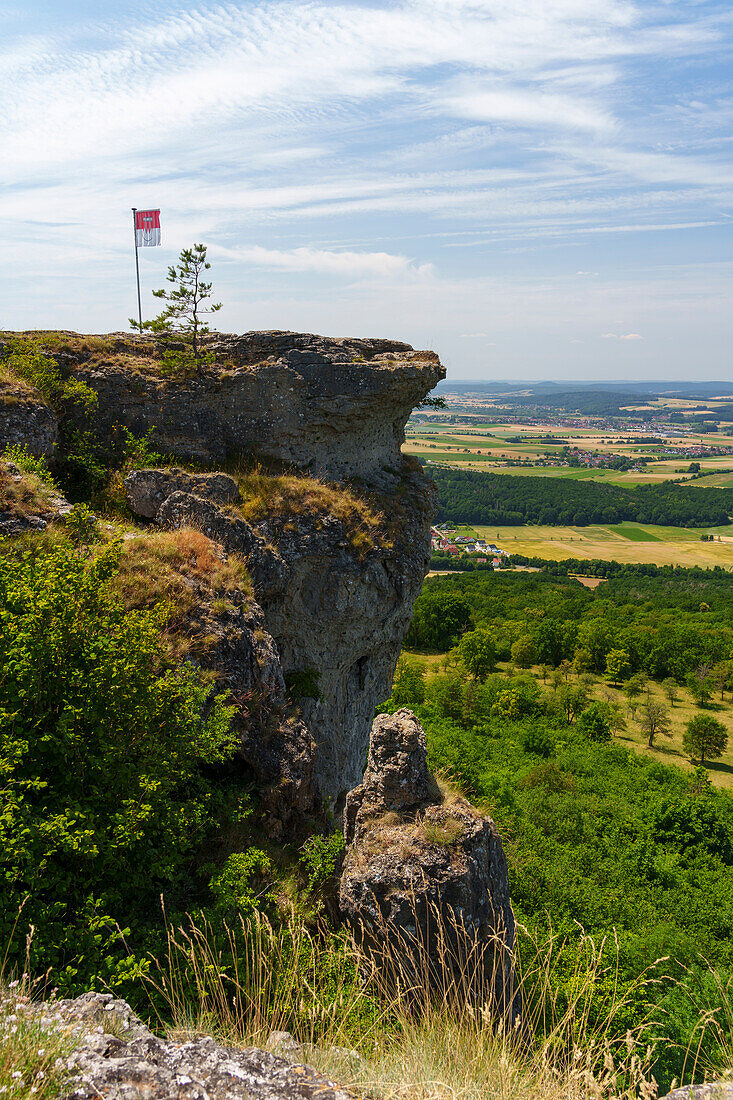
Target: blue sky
column 533, row 188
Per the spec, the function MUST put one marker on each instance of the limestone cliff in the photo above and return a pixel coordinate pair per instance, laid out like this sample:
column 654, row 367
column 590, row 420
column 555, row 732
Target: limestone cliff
column 333, row 408
column 335, row 577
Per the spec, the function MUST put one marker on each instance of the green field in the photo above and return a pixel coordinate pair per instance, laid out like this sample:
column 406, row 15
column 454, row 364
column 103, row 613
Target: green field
column 620, row 542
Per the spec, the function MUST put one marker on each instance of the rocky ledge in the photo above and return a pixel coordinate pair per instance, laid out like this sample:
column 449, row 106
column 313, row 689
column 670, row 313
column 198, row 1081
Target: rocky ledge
column 116, row 1056
column 425, row 885
column 333, row 408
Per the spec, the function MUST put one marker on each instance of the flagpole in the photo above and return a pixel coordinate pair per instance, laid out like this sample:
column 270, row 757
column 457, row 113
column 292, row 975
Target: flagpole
column 137, row 269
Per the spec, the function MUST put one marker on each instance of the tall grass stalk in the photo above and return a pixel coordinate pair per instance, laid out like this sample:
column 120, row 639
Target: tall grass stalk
column 567, row 1043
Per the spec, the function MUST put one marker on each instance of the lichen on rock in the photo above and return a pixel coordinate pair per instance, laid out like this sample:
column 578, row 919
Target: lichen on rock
column 116, row 1056
column 425, row 883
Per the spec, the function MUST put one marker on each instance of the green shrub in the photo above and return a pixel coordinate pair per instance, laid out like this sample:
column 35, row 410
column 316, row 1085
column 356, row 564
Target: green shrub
column 19, row 454
column 25, row 360
column 103, row 796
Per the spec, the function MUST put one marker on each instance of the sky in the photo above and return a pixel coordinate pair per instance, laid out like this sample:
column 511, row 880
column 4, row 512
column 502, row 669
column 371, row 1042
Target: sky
column 534, row 189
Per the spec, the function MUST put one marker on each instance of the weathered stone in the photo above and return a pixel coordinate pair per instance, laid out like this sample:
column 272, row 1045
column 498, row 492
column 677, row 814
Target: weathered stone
column 714, row 1090
column 147, row 489
column 118, row 1057
column 27, row 420
column 332, row 407
column 345, row 615
column 425, row 885
column 397, row 776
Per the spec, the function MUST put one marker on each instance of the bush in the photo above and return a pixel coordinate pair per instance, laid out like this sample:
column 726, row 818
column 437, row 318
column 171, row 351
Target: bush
column 104, row 797
column 19, row 454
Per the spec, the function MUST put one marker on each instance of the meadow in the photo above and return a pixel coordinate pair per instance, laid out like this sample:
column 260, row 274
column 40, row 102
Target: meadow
column 624, row 542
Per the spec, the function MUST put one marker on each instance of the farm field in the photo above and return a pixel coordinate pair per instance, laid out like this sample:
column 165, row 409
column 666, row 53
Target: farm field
column 491, row 444
column 624, row 542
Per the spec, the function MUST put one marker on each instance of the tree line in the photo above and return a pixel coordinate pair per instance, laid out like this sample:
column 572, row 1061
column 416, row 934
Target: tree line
column 470, row 496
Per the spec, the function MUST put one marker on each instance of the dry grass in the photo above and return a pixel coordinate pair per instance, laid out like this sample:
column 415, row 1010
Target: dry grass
column 568, row 1045
column 286, row 497
column 172, row 568
column 27, row 495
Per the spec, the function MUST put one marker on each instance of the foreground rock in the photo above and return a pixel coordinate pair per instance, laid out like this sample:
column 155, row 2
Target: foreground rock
column 715, row 1090
column 425, row 884
column 119, row 1058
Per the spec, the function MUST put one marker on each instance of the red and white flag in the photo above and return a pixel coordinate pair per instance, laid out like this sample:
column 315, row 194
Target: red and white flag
column 147, row 227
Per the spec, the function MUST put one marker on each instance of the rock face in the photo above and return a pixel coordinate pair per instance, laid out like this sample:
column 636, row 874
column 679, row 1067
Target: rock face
column 330, row 610
column 425, row 884
column 118, row 1057
column 28, row 421
column 334, row 408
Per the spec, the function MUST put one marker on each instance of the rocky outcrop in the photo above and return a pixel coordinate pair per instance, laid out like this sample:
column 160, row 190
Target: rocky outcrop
column 334, row 612
column 332, row 407
column 118, row 1057
column 425, row 884
column 27, row 420
column 148, row 489
column 714, row 1090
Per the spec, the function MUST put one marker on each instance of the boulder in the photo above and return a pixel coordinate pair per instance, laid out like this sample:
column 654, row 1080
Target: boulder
column 147, row 489
column 713, row 1090
column 397, row 776
column 118, row 1057
column 425, row 885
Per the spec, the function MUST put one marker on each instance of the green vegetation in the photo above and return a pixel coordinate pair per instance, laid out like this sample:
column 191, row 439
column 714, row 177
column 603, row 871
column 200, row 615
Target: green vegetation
column 468, row 496
column 103, row 751
column 179, row 328
column 601, row 834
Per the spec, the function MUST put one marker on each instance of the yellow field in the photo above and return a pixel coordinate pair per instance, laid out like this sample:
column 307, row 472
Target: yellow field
column 487, row 448
column 623, row 543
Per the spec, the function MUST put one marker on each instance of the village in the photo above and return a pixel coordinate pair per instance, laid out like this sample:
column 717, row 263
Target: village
column 445, row 538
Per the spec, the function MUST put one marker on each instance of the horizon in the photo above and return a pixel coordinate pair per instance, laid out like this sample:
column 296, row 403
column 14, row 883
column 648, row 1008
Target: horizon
column 530, row 191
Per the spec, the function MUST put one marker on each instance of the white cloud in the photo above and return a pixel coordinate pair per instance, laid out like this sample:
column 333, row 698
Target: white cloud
column 350, row 265
column 346, row 137
column 624, row 336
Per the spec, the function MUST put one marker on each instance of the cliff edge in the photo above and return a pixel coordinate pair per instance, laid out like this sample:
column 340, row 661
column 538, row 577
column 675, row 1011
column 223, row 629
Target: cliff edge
column 330, row 517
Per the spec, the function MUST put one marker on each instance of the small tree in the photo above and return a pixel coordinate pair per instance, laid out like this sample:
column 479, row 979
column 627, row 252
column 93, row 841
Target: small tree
column 670, row 689
column 599, row 720
column 183, row 317
column 654, row 720
column 700, row 685
column 523, row 651
column 617, row 665
column 477, row 651
column 704, row 737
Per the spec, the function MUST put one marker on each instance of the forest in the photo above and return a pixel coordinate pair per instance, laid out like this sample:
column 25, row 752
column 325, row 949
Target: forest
column 599, row 837
column 469, row 496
